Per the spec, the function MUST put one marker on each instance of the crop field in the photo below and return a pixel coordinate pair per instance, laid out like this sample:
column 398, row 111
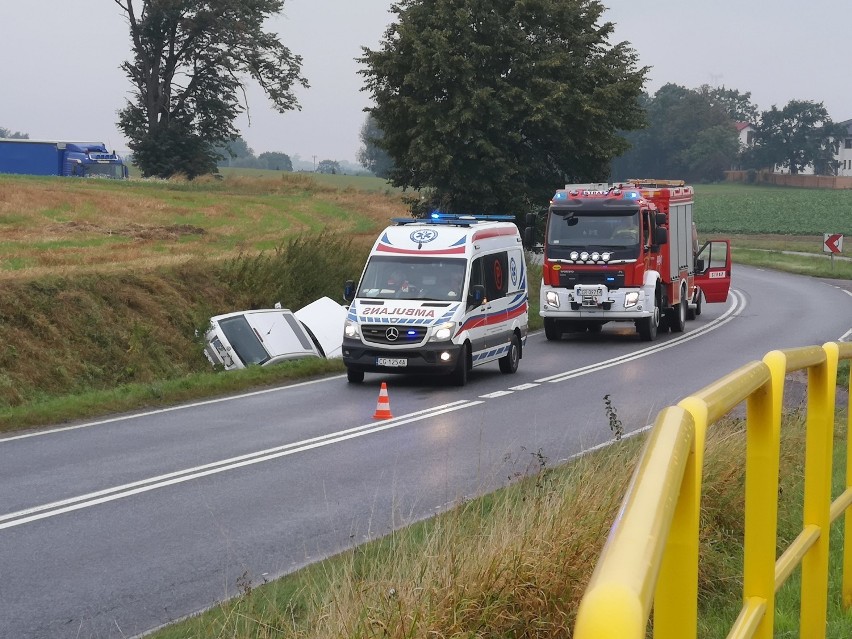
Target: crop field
column 743, row 209
column 52, row 226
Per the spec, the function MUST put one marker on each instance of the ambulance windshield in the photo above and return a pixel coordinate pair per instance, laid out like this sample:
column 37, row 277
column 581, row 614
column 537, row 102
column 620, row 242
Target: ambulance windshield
column 413, row 278
column 593, row 230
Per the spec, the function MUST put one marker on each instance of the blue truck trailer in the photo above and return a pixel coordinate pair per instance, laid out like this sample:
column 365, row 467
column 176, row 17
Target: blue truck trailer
column 49, row 157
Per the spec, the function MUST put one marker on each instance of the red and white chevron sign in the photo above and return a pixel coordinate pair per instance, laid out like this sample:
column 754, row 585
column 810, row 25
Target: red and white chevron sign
column 832, row 243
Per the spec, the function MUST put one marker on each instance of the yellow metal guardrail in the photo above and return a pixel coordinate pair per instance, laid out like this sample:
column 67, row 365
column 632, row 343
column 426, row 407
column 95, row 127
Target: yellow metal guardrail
column 651, row 555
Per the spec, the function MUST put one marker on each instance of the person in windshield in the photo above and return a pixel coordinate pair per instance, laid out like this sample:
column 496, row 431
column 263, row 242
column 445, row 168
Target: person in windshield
column 398, row 282
column 625, row 230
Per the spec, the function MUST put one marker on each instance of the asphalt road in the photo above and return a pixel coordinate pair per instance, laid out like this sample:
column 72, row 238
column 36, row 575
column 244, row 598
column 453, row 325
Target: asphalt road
column 115, row 527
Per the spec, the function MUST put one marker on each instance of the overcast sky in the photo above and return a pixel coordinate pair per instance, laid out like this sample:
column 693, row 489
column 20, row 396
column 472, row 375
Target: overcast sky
column 59, row 76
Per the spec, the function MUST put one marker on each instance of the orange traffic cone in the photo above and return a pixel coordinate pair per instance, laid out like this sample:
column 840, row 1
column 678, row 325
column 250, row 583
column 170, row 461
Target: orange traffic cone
column 383, row 405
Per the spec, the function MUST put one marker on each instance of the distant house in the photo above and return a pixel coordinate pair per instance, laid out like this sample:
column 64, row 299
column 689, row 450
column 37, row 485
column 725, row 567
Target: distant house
column 843, row 156
column 844, row 151
column 746, row 133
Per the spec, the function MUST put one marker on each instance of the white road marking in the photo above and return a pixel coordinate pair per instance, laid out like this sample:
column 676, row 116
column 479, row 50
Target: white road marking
column 846, row 336
column 733, row 311
column 20, row 517
column 495, row 394
column 169, row 409
column 36, row 513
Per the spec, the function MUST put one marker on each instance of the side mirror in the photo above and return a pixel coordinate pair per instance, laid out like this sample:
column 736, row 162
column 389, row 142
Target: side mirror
column 476, row 295
column 530, row 219
column 699, row 266
column 349, row 290
column 661, row 236
column 529, row 237
column 660, row 219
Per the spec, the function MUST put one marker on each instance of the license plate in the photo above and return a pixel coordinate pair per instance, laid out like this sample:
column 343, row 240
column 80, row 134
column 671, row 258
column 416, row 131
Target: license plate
column 391, row 361
column 590, row 291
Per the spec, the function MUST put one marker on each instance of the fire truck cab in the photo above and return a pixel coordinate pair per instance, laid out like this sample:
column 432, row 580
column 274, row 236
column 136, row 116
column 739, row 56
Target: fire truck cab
column 627, row 253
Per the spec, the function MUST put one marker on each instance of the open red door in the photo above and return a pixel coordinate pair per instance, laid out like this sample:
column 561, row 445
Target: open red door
column 713, row 270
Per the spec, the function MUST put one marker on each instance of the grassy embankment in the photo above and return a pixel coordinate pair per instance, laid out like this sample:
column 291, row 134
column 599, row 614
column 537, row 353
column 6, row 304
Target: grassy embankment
column 105, row 284
column 126, row 273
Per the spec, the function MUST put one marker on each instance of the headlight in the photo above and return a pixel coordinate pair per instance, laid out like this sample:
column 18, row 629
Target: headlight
column 443, row 332
column 350, row 329
column 552, row 299
column 631, row 299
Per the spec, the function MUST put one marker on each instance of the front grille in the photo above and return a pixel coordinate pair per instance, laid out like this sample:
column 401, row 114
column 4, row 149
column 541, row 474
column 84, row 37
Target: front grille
column 408, row 335
column 612, row 279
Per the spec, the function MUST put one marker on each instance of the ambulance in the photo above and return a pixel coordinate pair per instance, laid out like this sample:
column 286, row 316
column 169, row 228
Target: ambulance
column 439, row 295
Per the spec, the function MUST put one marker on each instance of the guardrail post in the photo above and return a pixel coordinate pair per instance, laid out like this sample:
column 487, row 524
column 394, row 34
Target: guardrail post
column 817, row 503
column 763, row 450
column 676, row 596
column 620, row 593
column 846, row 352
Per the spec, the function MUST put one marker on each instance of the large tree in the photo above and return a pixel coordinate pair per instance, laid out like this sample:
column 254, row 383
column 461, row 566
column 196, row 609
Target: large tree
column 683, row 125
column 738, row 106
column 493, row 104
column 798, row 135
column 191, row 62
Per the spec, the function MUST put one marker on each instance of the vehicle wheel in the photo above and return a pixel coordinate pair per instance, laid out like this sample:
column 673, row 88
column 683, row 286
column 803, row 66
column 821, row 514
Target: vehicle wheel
column 354, row 377
column 648, row 326
column 551, row 330
column 693, row 310
column 509, row 363
column 459, row 375
column 595, row 327
column 677, row 318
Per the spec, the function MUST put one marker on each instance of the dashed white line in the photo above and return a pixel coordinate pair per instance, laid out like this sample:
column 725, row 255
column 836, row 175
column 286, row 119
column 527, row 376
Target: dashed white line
column 21, row 517
column 495, row 394
column 35, row 513
column 728, row 315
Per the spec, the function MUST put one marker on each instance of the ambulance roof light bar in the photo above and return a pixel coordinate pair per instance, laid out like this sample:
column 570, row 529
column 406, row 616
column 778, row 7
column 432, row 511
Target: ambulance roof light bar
column 453, row 219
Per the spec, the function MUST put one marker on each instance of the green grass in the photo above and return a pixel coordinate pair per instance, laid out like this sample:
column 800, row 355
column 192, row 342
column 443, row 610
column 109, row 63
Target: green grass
column 135, row 396
column 720, row 611
column 751, row 209
column 813, row 266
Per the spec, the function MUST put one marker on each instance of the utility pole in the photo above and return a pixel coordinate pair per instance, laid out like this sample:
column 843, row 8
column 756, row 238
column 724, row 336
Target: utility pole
column 315, row 164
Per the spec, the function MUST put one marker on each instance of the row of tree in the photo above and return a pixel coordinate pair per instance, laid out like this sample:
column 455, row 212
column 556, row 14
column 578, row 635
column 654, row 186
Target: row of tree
column 693, row 134
column 486, row 106
column 238, row 154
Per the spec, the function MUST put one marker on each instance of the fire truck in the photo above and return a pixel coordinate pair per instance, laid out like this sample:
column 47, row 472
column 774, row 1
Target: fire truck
column 627, row 252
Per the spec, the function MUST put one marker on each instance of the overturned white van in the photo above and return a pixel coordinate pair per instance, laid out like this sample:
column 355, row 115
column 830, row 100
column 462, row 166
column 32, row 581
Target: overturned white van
column 439, row 295
column 257, row 337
